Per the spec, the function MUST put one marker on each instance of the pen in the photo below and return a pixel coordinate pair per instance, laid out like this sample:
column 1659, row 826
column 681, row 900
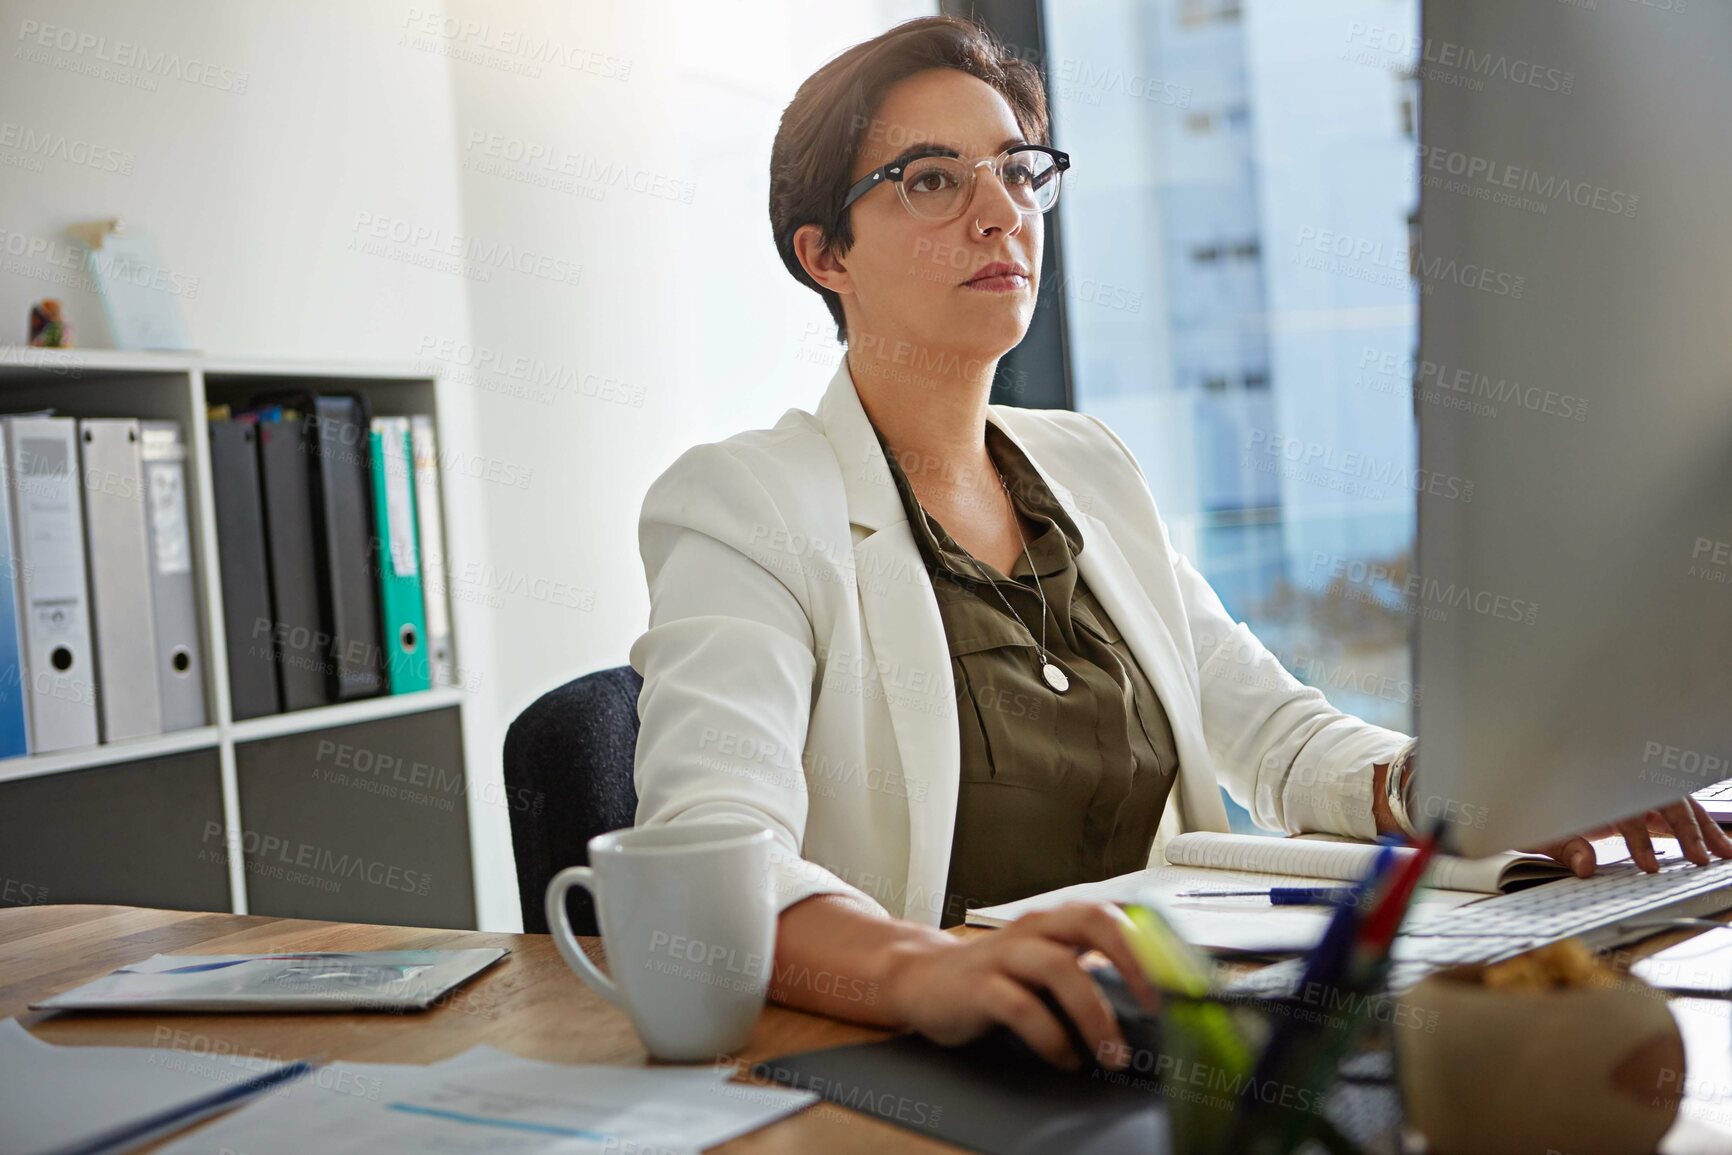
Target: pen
column 153, row 1125
column 1282, row 895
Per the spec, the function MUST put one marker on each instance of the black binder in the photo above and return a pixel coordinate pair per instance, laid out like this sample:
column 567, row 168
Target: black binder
column 303, row 651
column 241, row 557
column 336, row 433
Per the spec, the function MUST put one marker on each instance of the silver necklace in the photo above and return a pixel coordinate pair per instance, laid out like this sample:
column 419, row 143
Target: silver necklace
column 1049, row 670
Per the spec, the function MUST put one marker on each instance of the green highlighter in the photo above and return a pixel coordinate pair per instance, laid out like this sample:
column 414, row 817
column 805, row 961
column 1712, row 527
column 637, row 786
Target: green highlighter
column 1211, row 1058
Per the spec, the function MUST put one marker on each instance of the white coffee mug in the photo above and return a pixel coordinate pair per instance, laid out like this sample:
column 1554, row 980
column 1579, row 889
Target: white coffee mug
column 688, row 917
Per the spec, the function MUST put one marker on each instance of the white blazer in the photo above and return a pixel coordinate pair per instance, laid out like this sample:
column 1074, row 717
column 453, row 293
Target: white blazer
column 796, row 671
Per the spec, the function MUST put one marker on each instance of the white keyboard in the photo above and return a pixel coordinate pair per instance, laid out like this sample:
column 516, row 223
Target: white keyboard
column 1612, row 907
column 1719, row 792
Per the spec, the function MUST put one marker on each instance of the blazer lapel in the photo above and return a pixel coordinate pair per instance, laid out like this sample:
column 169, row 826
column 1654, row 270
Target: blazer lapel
column 908, row 642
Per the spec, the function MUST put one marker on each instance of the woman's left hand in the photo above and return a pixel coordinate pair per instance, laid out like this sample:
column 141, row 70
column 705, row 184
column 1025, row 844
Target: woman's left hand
column 1699, row 837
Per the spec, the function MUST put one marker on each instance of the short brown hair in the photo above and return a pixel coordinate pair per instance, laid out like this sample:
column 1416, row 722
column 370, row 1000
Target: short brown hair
column 819, row 137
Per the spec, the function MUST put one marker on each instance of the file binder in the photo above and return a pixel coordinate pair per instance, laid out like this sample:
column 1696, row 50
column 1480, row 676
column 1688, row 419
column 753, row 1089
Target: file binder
column 48, row 525
column 174, row 591
column 343, row 484
column 292, row 552
column 249, row 637
column 430, row 528
column 117, row 552
column 14, row 711
column 337, row 436
column 396, row 558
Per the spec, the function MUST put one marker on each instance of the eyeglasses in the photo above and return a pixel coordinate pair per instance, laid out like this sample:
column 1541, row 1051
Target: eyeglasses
column 937, row 185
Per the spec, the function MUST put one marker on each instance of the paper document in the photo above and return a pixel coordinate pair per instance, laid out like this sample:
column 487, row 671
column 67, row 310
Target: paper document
column 488, row 1101
column 60, row 1099
column 1699, row 966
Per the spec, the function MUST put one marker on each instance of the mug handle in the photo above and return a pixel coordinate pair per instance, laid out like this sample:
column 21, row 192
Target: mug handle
column 560, row 928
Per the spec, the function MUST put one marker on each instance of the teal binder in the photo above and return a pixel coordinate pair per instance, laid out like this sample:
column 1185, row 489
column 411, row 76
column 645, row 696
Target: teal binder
column 398, row 558
column 14, row 728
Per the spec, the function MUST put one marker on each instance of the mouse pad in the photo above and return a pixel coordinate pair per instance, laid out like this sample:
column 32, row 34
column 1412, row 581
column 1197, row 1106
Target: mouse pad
column 983, row 1098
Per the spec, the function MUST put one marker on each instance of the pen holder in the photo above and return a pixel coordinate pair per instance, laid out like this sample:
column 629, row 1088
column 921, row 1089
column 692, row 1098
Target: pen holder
column 1223, row 1100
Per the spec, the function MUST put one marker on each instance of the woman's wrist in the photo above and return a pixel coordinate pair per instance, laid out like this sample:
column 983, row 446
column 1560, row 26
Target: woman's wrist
column 837, row 958
column 896, row 964
column 1391, row 790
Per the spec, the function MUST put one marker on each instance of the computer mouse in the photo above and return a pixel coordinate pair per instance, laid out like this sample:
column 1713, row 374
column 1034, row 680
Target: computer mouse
column 1140, row 1028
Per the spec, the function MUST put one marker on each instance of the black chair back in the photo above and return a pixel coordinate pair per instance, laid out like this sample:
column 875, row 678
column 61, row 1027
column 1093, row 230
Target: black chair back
column 568, row 778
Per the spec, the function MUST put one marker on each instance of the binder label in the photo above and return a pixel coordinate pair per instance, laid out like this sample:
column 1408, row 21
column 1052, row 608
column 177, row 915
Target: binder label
column 168, row 516
column 399, row 511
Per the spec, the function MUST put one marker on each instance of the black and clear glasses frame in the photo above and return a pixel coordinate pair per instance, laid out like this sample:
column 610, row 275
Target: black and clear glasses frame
column 896, row 170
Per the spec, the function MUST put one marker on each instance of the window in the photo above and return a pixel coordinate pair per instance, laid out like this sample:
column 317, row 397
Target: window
column 1264, row 382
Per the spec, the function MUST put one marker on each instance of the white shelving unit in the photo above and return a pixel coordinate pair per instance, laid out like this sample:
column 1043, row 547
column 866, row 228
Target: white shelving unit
column 180, row 387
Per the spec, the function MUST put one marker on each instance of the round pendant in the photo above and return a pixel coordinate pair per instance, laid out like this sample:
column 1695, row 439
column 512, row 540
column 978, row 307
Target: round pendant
column 1055, row 677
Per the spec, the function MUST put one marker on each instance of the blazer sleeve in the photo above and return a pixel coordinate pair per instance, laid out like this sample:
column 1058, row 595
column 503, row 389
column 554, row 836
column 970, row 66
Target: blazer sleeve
column 1282, row 751
column 728, row 664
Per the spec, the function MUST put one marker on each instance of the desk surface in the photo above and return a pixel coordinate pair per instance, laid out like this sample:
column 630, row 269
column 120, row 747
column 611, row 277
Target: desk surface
column 531, row 1004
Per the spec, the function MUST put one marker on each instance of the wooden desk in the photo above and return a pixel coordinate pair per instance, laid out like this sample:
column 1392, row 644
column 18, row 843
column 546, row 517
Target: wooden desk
column 532, row 1005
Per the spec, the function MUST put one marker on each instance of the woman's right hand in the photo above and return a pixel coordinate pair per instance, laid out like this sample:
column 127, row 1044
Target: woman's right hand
column 954, row 991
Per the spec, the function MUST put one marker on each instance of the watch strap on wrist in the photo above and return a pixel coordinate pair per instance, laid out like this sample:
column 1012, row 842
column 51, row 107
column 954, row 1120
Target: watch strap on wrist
column 1397, row 787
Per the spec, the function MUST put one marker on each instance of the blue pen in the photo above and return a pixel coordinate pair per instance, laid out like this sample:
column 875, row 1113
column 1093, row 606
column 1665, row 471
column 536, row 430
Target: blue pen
column 1283, row 895
column 188, row 1113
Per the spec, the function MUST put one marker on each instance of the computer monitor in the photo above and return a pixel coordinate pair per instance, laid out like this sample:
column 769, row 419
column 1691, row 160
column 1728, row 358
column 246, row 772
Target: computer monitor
column 1573, row 582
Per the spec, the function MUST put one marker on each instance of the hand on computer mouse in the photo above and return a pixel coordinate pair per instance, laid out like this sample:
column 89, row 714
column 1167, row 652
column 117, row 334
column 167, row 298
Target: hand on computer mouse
column 1699, row 837
column 952, row 994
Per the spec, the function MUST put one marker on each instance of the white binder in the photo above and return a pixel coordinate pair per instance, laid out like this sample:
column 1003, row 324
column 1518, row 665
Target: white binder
column 117, row 552
column 425, row 449
column 47, row 518
column 174, row 592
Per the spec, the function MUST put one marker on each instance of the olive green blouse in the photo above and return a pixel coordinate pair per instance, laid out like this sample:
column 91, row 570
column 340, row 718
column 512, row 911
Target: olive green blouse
column 1056, row 788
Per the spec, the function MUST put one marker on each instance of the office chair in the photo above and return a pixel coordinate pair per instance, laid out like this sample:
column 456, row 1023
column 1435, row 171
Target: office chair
column 568, row 778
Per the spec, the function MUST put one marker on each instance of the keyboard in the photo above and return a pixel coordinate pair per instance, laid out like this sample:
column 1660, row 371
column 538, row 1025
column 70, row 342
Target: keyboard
column 1615, row 906
column 1717, row 801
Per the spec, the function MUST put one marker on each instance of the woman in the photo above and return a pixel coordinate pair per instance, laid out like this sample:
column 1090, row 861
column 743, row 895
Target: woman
column 945, row 650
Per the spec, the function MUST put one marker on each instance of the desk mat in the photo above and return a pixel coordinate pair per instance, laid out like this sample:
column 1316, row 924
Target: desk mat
column 1001, row 1102
column 981, row 1097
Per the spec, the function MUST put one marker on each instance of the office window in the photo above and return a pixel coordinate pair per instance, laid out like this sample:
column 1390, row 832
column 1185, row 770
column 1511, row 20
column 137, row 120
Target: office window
column 1263, row 381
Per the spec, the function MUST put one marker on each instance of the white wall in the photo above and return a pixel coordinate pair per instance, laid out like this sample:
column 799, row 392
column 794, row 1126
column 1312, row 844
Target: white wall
column 649, row 320
column 249, row 188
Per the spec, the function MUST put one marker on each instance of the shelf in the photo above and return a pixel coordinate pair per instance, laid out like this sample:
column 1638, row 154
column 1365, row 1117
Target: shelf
column 208, row 737
column 182, row 387
column 108, row 753
column 343, row 714
column 22, row 360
